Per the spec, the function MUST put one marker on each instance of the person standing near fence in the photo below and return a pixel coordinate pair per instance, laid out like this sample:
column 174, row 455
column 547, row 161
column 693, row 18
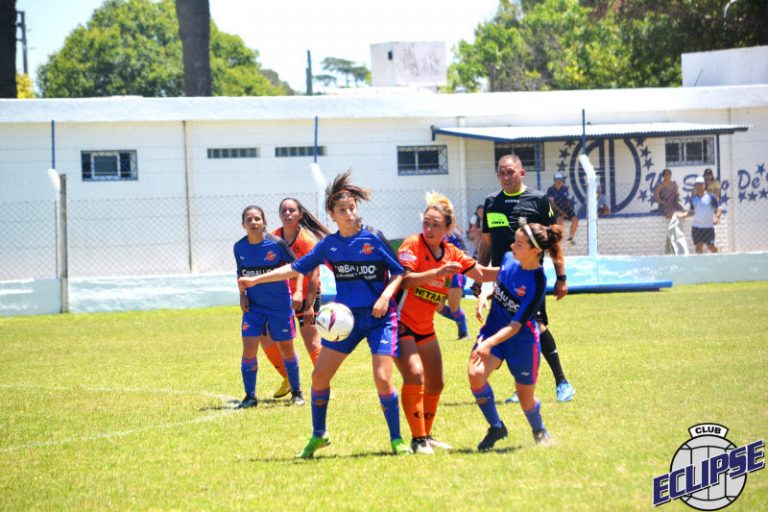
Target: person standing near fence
column 560, row 200
column 430, row 261
column 510, row 334
column 301, row 230
column 368, row 275
column 667, row 195
column 706, row 213
column 506, row 211
column 266, row 308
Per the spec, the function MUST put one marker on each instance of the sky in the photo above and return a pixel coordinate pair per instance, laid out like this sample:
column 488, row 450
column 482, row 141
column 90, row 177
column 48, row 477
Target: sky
column 282, row 31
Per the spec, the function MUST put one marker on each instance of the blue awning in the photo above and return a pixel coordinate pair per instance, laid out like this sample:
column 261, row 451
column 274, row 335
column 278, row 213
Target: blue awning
column 593, row 131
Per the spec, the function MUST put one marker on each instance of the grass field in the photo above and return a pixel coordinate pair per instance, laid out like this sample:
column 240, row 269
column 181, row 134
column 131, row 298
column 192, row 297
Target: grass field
column 134, row 411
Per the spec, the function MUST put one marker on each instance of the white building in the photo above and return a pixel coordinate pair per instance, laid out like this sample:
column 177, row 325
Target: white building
column 156, row 186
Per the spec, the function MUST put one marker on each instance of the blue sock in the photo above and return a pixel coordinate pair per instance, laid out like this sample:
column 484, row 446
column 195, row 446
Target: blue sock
column 320, row 399
column 446, row 312
column 249, row 367
column 484, row 399
column 389, row 404
column 292, row 369
column 461, row 320
column 534, row 417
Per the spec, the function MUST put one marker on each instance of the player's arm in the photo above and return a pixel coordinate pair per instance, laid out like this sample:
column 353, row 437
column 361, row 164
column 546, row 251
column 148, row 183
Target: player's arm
column 311, row 294
column 414, row 279
column 718, row 211
column 382, row 303
column 483, row 348
column 278, row 274
column 482, row 274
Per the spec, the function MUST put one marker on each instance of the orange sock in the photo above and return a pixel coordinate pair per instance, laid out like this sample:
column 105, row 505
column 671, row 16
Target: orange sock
column 430, row 409
column 412, row 396
column 273, row 354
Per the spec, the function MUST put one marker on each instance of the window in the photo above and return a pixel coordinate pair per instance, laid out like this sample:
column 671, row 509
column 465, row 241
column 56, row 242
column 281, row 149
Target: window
column 420, row 160
column 290, row 151
column 526, row 152
column 233, row 153
column 115, row 165
column 690, row 151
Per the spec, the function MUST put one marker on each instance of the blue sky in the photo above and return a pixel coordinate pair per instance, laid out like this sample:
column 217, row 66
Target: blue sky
column 283, row 30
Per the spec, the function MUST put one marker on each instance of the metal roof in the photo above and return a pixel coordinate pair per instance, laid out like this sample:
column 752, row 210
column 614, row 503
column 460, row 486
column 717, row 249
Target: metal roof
column 593, row 131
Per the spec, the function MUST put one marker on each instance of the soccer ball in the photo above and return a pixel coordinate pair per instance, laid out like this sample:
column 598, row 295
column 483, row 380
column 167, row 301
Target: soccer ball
column 334, row 321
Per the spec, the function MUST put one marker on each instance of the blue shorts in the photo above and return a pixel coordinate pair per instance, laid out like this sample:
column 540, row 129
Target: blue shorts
column 521, row 352
column 458, row 281
column 281, row 327
column 381, row 333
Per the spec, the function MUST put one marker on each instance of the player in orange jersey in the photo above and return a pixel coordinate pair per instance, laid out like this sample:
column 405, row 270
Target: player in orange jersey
column 429, row 262
column 301, row 230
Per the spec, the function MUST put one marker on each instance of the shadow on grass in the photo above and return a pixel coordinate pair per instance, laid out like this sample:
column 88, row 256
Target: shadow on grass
column 378, row 454
column 265, row 403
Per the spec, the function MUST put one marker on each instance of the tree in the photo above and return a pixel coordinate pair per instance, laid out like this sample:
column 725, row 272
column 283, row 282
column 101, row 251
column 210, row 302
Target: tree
column 24, row 87
column 566, row 44
column 7, row 48
column 347, row 69
column 133, row 47
column 194, row 19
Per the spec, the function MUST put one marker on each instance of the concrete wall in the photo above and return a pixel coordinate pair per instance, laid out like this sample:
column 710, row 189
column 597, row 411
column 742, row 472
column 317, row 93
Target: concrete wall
column 735, row 66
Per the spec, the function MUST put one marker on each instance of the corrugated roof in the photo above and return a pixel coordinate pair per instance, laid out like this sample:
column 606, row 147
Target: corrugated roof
column 593, row 131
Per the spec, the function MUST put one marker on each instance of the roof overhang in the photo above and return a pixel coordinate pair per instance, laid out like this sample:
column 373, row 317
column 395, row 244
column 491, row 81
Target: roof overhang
column 593, row 131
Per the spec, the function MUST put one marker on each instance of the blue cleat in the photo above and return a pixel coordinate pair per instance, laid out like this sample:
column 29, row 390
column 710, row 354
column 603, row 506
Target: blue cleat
column 565, row 392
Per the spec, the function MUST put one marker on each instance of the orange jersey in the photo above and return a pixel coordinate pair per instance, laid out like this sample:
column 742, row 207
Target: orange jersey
column 418, row 307
column 302, row 245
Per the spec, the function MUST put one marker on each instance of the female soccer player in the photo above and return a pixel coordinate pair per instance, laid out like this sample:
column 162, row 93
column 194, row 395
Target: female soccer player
column 510, row 334
column 430, row 262
column 267, row 308
column 367, row 276
column 301, row 230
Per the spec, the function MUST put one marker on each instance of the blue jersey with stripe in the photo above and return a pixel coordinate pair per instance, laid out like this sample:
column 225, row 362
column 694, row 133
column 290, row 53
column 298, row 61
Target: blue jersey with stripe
column 257, row 259
column 517, row 295
column 361, row 265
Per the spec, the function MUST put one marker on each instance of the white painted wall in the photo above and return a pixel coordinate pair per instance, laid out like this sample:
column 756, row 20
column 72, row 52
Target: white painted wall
column 736, row 66
column 403, row 64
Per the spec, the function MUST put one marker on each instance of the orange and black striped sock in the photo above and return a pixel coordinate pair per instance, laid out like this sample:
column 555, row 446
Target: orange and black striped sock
column 273, row 354
column 412, row 396
column 430, row 409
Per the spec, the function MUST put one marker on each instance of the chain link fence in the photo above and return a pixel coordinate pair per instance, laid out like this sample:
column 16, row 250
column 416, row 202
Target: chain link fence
column 169, row 235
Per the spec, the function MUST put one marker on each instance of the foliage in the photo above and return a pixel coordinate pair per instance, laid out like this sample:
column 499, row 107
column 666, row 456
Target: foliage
column 24, row 86
column 345, row 68
column 133, row 47
column 567, row 44
column 130, row 411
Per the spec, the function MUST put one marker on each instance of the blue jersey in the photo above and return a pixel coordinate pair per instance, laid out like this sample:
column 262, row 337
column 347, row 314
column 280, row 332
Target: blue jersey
column 257, row 259
column 455, row 238
column 361, row 264
column 516, row 297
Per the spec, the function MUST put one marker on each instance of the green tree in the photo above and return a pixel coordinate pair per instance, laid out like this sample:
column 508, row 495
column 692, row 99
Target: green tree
column 346, row 69
column 24, row 86
column 133, row 47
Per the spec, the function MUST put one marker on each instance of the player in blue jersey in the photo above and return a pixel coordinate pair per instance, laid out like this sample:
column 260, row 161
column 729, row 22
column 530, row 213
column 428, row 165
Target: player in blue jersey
column 266, row 308
column 452, row 310
column 368, row 275
column 511, row 333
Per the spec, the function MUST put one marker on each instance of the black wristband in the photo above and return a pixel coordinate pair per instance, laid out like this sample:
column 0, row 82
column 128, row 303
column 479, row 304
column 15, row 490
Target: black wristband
column 561, row 277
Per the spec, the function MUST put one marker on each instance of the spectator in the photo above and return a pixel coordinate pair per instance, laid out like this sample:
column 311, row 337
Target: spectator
column 667, row 195
column 562, row 204
column 706, row 213
column 711, row 184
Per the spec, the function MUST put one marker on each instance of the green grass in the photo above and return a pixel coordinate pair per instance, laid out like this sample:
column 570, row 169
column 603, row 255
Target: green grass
column 118, row 411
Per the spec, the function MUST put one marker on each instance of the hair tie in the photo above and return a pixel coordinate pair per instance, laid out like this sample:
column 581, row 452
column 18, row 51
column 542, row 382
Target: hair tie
column 528, row 231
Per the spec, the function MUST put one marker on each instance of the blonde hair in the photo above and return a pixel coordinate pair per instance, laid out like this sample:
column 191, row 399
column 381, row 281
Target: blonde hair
column 441, row 204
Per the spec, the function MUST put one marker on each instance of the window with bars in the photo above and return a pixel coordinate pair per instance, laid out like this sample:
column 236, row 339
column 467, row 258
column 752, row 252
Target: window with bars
column 526, row 152
column 233, row 152
column 690, row 151
column 421, row 160
column 117, row 165
column 292, row 151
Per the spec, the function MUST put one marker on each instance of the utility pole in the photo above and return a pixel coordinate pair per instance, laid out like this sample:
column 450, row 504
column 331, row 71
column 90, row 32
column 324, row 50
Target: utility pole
column 22, row 25
column 309, row 73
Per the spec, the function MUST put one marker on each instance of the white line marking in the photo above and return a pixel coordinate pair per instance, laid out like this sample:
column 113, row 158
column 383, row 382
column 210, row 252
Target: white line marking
column 109, row 435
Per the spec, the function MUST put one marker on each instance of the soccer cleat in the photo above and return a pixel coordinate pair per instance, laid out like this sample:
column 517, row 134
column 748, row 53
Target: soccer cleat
column 494, row 434
column 513, row 399
column 434, row 443
column 565, row 391
column 284, row 389
column 421, row 445
column 297, row 397
column 542, row 438
column 248, row 401
column 314, row 444
column 400, row 447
